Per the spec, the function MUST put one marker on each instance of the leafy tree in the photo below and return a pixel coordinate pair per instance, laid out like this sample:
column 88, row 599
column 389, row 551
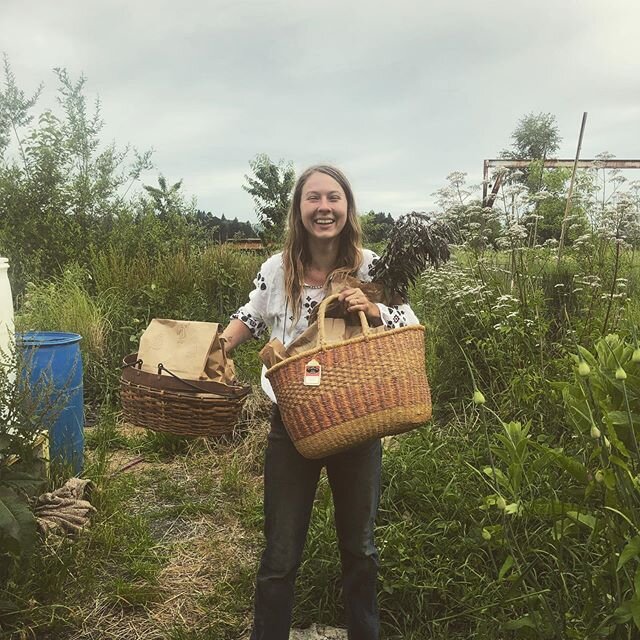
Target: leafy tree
column 14, row 109
column 214, row 229
column 376, row 227
column 271, row 188
column 237, row 229
column 167, row 200
column 62, row 191
column 535, row 137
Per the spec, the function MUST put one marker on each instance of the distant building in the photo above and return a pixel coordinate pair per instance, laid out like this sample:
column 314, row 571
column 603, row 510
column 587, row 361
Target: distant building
column 246, row 244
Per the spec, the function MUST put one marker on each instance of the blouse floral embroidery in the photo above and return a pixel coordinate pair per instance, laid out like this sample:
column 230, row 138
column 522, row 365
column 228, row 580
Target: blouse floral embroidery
column 267, row 308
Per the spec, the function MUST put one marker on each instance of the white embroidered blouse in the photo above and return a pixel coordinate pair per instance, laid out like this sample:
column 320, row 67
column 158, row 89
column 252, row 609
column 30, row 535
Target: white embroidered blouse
column 267, row 307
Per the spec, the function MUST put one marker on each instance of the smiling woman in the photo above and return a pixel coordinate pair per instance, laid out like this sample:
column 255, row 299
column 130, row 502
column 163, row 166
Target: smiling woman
column 323, row 234
column 324, row 207
column 323, row 239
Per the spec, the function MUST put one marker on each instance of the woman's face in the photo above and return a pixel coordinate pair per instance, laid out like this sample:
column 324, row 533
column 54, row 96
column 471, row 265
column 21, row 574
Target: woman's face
column 323, row 206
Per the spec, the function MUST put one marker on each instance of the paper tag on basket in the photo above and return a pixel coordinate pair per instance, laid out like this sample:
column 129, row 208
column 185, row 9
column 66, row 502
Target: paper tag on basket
column 312, row 373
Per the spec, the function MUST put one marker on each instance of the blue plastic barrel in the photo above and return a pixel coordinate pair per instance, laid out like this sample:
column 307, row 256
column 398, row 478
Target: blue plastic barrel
column 53, row 367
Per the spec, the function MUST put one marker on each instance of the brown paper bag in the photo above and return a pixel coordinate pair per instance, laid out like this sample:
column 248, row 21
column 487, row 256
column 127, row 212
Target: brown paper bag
column 229, row 375
column 355, row 330
column 335, row 329
column 372, row 290
column 336, row 309
column 272, row 353
column 190, row 350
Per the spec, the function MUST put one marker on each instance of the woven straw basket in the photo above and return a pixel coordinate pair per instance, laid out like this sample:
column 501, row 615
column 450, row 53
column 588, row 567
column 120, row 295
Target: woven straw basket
column 181, row 407
column 370, row 386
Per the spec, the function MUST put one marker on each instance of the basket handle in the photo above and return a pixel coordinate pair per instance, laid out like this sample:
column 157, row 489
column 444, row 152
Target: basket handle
column 234, row 394
column 138, row 363
column 321, row 311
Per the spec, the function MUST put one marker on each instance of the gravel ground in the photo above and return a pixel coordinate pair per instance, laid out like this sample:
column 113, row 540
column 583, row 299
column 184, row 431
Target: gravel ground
column 316, row 632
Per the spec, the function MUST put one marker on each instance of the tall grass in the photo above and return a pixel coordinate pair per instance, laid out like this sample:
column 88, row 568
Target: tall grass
column 65, row 304
column 516, row 325
column 112, row 303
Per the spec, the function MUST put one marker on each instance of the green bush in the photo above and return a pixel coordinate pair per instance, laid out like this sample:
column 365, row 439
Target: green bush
column 25, row 412
column 516, row 322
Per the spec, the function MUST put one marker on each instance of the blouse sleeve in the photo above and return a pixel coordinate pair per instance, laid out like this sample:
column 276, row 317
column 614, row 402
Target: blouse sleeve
column 254, row 312
column 392, row 316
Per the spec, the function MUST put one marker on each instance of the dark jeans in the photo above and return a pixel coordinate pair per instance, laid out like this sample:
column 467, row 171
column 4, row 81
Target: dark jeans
column 290, row 482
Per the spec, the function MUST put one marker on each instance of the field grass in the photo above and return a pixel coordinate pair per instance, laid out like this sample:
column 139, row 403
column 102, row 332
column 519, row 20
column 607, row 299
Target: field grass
column 173, row 549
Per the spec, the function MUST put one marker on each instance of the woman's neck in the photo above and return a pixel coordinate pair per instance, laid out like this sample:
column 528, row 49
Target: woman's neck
column 324, row 256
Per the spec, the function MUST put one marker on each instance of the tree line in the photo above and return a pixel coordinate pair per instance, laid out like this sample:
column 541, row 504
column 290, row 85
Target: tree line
column 64, row 195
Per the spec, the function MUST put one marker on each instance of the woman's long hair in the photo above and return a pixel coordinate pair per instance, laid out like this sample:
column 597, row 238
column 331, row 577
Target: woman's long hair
column 296, row 254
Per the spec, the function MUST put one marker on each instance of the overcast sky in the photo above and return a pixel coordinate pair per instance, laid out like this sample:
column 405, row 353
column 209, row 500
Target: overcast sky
column 398, row 94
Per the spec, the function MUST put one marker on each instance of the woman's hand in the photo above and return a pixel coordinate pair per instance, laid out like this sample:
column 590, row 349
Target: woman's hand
column 355, row 300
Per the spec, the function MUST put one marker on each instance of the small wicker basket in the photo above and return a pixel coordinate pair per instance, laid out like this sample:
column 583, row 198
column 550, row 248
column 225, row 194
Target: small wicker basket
column 370, row 386
column 180, row 407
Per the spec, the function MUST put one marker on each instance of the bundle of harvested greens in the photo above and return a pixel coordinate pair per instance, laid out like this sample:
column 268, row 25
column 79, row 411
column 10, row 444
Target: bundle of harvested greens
column 415, row 242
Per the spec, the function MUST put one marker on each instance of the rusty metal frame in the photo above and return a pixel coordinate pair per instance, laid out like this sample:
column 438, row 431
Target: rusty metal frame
column 592, row 163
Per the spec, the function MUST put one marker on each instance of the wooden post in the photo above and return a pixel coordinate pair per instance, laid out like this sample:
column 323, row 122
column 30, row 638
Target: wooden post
column 570, row 194
column 485, row 179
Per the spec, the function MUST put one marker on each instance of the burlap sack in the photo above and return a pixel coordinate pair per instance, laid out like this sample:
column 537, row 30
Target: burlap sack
column 190, row 350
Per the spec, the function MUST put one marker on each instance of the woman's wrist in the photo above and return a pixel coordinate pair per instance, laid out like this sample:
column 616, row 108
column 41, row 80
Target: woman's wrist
column 373, row 311
column 234, row 334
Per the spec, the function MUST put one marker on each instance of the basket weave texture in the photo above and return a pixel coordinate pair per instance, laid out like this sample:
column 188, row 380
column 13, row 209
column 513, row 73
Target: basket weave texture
column 371, row 386
column 170, row 405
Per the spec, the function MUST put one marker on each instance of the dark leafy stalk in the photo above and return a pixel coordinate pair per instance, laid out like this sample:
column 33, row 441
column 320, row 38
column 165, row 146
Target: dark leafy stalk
column 415, row 242
column 613, row 287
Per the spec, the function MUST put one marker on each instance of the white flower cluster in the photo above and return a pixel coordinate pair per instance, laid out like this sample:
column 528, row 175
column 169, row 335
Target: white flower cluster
column 592, row 281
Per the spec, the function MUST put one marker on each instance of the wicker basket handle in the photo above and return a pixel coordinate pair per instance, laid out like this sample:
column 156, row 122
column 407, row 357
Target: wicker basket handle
column 321, row 311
